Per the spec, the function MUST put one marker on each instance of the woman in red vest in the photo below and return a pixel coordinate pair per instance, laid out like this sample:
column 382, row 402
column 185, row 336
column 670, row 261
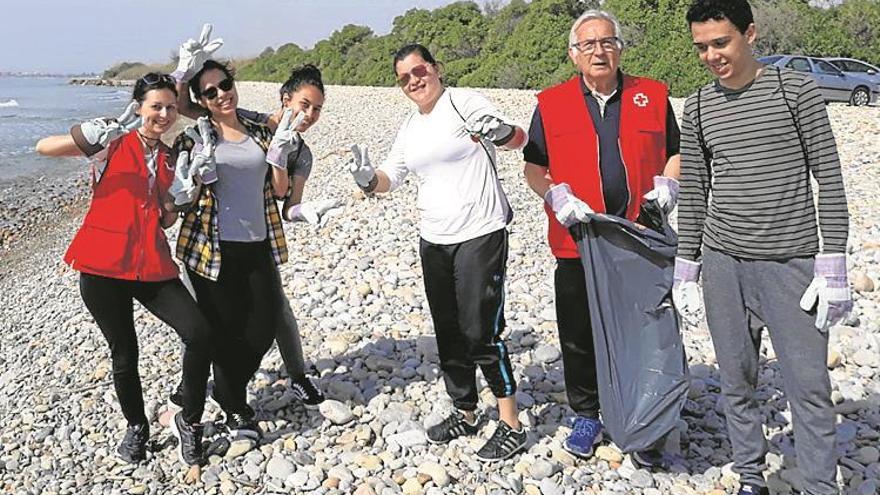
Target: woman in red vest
column 122, row 254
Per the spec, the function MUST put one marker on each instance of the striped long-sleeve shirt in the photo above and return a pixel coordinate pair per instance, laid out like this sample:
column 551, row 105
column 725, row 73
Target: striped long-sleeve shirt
column 761, row 204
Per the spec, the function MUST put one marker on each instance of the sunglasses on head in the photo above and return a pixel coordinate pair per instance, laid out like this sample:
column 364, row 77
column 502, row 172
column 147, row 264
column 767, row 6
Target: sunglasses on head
column 156, row 78
column 419, row 71
column 225, row 85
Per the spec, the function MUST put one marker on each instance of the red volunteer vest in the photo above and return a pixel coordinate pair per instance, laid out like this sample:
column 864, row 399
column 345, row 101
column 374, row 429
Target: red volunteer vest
column 121, row 235
column 573, row 147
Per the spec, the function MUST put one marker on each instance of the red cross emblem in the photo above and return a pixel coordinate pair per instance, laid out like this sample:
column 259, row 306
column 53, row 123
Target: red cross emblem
column 641, row 99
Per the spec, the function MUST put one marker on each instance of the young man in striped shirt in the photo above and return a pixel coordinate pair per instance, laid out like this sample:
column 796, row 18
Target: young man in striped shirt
column 752, row 139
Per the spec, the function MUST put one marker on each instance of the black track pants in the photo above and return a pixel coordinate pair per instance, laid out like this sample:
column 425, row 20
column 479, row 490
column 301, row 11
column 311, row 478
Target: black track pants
column 464, row 284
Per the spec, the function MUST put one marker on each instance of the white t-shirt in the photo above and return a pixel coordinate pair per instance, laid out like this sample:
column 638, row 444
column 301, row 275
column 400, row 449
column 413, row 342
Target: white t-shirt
column 460, row 197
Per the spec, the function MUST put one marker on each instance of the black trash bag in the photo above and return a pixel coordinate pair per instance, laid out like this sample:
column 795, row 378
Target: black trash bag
column 641, row 364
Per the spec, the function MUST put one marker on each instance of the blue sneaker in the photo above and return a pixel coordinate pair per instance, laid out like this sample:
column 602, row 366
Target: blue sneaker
column 585, row 433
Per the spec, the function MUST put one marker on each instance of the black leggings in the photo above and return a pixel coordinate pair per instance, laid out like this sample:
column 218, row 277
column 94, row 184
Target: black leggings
column 110, row 301
column 243, row 305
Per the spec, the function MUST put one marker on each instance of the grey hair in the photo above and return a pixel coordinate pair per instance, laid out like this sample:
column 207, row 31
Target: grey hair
column 590, row 15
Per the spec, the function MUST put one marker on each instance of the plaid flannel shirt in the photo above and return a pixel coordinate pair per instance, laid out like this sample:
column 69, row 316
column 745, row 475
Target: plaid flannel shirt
column 198, row 245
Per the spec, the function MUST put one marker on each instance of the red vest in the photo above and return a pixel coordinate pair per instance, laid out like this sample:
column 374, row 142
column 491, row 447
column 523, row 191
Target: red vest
column 573, row 147
column 121, row 235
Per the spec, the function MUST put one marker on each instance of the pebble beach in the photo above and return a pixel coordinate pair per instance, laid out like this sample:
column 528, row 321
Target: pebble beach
column 355, row 286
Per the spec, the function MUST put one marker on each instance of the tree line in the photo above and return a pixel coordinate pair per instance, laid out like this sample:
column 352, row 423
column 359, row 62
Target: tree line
column 523, row 45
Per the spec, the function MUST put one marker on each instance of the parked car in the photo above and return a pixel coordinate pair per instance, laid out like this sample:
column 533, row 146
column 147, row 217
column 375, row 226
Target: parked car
column 858, row 68
column 834, row 83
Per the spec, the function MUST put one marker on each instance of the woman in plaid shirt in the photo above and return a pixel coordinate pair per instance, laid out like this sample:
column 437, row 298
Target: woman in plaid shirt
column 232, row 240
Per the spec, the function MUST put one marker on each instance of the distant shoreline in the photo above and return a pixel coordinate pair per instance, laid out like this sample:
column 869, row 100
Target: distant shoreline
column 99, row 81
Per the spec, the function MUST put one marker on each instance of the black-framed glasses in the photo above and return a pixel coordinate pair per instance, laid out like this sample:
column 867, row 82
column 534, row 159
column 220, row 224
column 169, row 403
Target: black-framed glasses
column 226, row 85
column 152, row 78
column 609, row 44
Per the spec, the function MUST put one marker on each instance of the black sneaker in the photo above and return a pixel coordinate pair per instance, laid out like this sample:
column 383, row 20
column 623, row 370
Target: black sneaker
column 753, row 490
column 504, row 443
column 133, row 448
column 306, row 391
column 189, row 440
column 243, row 424
column 648, row 459
column 175, row 400
column 454, row 426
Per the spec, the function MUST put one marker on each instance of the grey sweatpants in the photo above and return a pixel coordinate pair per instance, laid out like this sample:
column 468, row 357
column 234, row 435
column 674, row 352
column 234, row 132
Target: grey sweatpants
column 288, row 339
column 737, row 291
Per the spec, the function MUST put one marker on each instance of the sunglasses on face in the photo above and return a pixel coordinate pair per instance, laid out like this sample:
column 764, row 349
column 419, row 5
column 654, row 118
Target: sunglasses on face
column 225, row 85
column 419, row 71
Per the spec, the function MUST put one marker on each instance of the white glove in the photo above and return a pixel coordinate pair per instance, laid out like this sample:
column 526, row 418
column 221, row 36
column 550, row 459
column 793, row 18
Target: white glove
column 828, row 291
column 361, row 169
column 568, row 208
column 490, row 127
column 665, row 192
column 204, row 164
column 183, row 188
column 102, row 131
column 285, row 140
column 193, row 54
column 686, row 293
column 313, row 212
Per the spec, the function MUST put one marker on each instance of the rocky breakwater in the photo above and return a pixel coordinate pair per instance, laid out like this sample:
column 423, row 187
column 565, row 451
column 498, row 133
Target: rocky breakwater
column 356, row 288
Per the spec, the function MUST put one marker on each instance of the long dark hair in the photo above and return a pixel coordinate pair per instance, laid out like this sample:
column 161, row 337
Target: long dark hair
column 306, row 75
column 195, row 82
column 151, row 81
column 408, row 50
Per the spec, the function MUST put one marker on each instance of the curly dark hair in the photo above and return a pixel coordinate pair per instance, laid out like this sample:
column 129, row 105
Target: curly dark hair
column 738, row 12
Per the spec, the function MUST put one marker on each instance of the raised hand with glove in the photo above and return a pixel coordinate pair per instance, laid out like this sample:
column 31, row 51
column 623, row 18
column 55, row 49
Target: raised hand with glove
column 94, row 135
column 203, row 162
column 685, row 291
column 286, row 139
column 361, row 168
column 665, row 192
column 194, row 53
column 313, row 212
column 568, row 208
column 183, row 187
column 829, row 291
column 490, row 127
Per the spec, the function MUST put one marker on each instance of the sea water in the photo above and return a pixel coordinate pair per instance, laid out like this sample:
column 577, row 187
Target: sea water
column 35, row 107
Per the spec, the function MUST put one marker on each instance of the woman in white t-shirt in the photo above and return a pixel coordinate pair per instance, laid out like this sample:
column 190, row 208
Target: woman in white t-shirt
column 449, row 143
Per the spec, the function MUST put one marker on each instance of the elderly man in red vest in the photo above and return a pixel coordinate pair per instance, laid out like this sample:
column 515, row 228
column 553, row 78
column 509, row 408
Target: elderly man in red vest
column 598, row 142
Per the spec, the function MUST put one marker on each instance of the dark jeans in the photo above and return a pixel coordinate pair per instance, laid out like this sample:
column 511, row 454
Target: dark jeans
column 110, row 301
column 243, row 307
column 576, row 337
column 464, row 284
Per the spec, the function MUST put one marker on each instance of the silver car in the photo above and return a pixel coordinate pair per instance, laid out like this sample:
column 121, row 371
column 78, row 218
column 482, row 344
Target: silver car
column 834, row 84
column 858, row 68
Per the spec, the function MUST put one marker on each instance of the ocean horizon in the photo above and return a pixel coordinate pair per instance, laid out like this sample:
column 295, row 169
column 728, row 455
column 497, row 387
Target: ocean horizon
column 34, row 107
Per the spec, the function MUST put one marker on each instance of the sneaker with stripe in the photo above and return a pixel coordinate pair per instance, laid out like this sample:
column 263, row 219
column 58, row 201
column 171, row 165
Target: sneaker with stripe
column 504, row 443
column 306, row 392
column 454, row 426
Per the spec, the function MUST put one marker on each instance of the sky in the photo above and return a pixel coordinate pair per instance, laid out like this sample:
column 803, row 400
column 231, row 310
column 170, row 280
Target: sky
column 74, row 36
